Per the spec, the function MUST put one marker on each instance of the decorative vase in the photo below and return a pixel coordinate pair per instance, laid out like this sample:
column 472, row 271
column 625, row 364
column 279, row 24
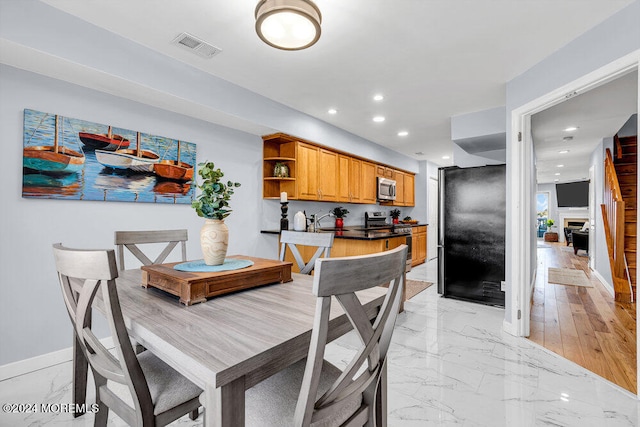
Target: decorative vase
column 280, row 170
column 396, row 220
column 214, row 239
column 339, row 223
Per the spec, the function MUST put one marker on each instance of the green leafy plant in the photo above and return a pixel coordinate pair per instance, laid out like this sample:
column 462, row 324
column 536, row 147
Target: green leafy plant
column 406, row 218
column 339, row 212
column 550, row 223
column 395, row 213
column 213, row 201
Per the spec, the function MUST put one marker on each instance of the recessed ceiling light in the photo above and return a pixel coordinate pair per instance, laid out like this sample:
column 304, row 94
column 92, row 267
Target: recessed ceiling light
column 556, row 180
column 403, row 133
column 563, row 151
column 419, row 153
column 557, row 174
column 378, row 97
column 378, row 119
column 570, row 129
column 332, row 111
column 560, row 166
column 446, row 157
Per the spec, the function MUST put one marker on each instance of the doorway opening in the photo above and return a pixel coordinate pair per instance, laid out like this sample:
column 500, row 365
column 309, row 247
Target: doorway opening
column 530, row 271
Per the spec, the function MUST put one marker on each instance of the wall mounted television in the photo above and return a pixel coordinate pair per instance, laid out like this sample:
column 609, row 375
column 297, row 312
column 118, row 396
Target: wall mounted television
column 573, row 194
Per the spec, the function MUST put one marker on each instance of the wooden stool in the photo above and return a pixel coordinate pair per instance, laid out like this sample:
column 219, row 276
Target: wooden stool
column 550, row 236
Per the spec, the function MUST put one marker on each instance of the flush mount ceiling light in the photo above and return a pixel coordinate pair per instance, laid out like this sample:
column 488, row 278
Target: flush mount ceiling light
column 288, row 24
column 332, row 111
column 378, row 119
column 571, row 129
column 378, row 97
column 403, row 133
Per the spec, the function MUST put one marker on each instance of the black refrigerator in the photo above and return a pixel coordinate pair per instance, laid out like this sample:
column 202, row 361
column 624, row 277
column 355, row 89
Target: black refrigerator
column 471, row 233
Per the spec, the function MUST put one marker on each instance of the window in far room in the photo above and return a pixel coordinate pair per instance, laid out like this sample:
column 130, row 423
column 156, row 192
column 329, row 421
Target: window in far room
column 542, row 208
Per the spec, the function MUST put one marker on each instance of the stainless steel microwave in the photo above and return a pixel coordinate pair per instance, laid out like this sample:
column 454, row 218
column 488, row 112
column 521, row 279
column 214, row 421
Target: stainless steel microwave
column 386, row 189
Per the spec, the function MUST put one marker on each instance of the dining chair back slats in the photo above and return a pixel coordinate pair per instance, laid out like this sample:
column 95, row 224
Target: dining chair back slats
column 341, row 278
column 290, row 239
column 83, row 274
column 131, row 240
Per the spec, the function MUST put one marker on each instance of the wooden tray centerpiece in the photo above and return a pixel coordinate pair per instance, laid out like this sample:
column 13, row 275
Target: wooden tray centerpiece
column 195, row 287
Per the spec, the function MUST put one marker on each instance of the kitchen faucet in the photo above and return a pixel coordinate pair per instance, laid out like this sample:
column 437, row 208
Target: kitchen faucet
column 315, row 220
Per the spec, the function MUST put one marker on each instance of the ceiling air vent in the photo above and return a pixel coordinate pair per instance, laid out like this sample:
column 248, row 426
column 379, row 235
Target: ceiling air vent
column 197, row 46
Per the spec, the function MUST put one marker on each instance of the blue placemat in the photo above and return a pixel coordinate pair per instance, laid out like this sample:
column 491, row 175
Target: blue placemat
column 201, row 267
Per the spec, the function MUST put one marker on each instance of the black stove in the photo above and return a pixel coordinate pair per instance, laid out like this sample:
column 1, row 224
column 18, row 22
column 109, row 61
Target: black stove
column 374, row 220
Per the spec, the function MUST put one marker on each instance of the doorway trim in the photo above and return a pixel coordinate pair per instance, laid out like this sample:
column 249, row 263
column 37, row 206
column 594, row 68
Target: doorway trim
column 521, row 242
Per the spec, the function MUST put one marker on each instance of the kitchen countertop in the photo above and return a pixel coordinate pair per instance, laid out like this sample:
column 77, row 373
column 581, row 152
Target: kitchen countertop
column 356, row 233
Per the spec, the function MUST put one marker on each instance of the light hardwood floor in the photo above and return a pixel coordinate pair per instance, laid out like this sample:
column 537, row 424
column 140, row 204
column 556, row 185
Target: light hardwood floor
column 584, row 325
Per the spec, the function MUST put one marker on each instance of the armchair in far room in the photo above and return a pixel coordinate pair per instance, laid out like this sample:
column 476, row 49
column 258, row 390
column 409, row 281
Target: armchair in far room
column 580, row 240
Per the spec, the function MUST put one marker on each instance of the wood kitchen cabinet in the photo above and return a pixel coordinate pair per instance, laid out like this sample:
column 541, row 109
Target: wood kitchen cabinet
column 368, row 183
column 317, row 173
column 350, row 179
column 385, row 172
column 419, row 245
column 409, row 189
column 348, row 247
column 278, row 150
column 328, row 175
column 399, row 201
column 320, row 174
column 308, row 163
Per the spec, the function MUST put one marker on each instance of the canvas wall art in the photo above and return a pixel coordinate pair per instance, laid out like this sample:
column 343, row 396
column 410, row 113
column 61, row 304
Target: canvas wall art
column 66, row 158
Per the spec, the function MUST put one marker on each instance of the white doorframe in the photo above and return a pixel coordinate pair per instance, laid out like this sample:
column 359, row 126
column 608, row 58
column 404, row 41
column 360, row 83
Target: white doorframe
column 432, row 235
column 592, row 217
column 522, row 191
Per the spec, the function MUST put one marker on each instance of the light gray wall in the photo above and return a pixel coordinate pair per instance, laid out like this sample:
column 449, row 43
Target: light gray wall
column 465, row 160
column 479, row 123
column 612, row 39
column 630, row 128
column 32, row 317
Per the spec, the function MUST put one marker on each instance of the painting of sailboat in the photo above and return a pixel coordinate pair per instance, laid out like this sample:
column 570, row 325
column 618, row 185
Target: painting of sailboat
column 59, row 163
column 174, row 170
column 54, row 158
column 103, row 141
column 136, row 160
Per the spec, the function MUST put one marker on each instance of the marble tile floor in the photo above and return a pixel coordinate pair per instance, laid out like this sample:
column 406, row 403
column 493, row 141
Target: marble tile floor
column 450, row 364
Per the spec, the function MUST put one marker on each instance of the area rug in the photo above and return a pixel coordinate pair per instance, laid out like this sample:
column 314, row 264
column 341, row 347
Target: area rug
column 414, row 287
column 569, row 276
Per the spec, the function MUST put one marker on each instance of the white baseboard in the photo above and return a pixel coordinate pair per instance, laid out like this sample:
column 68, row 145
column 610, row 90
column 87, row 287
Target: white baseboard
column 606, row 285
column 25, row 366
column 509, row 327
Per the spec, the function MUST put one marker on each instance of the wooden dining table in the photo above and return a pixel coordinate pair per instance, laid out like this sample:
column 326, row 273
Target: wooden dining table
column 229, row 343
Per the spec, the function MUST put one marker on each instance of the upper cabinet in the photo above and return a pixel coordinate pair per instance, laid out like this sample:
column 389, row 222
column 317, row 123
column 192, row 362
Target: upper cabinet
column 279, row 167
column 307, row 171
column 351, row 180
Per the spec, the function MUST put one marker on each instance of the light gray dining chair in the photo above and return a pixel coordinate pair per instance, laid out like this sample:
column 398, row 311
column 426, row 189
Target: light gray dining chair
column 290, row 239
column 159, row 394
column 131, row 240
column 313, row 392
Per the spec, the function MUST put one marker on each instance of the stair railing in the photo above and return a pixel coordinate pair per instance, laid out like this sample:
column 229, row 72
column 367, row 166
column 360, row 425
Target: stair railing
column 614, row 224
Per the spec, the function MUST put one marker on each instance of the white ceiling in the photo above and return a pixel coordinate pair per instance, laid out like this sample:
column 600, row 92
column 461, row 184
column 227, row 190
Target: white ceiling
column 598, row 113
column 430, row 59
